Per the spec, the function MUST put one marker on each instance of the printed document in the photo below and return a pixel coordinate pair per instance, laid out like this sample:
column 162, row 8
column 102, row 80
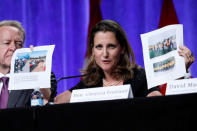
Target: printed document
column 161, row 59
column 31, row 69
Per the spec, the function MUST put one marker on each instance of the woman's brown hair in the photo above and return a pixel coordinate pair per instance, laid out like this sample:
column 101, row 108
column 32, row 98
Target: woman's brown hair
column 126, row 64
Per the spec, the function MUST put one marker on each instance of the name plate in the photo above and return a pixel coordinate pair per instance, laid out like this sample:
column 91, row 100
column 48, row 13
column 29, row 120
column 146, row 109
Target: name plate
column 101, row 93
column 183, row 86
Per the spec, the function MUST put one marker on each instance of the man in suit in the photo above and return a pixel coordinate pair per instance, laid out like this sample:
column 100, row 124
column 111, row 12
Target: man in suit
column 12, row 37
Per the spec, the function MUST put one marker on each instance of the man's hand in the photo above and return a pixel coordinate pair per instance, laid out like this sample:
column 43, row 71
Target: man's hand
column 187, row 54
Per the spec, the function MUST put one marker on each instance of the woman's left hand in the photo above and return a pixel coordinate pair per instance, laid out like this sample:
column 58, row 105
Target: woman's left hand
column 187, row 54
column 154, row 93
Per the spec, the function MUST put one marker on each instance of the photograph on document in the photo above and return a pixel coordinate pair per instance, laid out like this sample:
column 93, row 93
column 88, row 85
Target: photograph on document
column 164, row 66
column 34, row 61
column 162, row 46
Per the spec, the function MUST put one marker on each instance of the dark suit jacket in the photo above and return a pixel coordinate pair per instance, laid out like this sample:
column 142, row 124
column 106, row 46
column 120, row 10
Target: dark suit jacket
column 21, row 98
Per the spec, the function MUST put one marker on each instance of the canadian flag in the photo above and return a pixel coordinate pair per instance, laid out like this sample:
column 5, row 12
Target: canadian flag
column 168, row 17
column 95, row 17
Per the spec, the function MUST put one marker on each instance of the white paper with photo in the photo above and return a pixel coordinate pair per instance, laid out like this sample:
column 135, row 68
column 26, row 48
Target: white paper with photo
column 31, row 69
column 161, row 59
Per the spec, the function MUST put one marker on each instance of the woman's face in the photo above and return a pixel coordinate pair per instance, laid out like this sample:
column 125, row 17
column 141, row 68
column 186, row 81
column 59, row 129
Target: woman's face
column 106, row 50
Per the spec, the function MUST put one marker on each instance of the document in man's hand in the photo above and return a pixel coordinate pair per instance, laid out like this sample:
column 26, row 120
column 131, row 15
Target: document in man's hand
column 161, row 59
column 31, row 69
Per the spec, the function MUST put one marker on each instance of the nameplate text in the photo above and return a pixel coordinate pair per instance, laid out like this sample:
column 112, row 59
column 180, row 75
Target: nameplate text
column 183, row 86
column 101, row 93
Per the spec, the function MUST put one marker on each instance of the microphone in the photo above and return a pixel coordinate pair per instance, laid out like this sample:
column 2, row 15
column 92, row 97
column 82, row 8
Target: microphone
column 93, row 70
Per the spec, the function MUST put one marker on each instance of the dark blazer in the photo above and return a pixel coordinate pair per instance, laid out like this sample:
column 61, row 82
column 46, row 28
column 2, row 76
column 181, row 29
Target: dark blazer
column 21, row 98
column 138, row 84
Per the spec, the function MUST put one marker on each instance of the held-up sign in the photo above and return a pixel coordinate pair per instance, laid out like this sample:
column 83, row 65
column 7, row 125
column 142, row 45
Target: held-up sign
column 101, row 93
column 182, row 86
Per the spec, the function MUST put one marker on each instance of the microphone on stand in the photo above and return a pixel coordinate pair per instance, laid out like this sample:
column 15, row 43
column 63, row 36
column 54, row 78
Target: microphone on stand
column 93, row 70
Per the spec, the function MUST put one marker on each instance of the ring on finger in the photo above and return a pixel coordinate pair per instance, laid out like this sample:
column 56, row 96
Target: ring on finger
column 191, row 54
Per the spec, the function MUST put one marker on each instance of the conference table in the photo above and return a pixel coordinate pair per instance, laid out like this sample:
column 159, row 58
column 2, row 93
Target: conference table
column 161, row 113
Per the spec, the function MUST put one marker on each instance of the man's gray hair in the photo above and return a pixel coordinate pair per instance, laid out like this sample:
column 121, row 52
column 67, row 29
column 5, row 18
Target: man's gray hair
column 15, row 24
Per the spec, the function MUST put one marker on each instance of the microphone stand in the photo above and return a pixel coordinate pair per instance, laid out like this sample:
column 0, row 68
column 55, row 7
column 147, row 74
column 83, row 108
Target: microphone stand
column 50, row 102
column 93, row 70
column 70, row 77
